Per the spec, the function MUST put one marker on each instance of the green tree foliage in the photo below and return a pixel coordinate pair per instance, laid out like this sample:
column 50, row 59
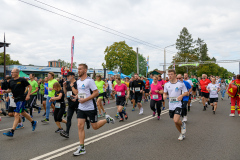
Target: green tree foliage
column 120, row 56
column 67, row 64
column 142, row 65
column 8, row 60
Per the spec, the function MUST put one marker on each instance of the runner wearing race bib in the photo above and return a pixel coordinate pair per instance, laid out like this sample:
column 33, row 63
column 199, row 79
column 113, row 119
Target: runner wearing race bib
column 213, row 88
column 99, row 83
column 205, row 94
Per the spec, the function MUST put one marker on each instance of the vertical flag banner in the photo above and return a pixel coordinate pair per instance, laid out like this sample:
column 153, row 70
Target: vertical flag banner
column 147, row 65
column 72, row 52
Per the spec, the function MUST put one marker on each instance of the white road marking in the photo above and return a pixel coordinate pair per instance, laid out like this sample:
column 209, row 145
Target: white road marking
column 5, row 129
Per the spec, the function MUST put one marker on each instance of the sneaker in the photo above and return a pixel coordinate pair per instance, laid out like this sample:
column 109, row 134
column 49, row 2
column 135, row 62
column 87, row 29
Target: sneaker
column 9, row 134
column 184, row 119
column 126, row 116
column 99, row 115
column 39, row 110
column 221, row 98
column 124, row 108
column 19, row 126
column 109, row 119
column 121, row 120
column 44, row 114
column 23, row 119
column 154, row 113
column 141, row 111
column 45, row 120
column 59, row 130
column 200, row 101
column 158, row 118
column 117, row 116
column 183, row 128
column 213, row 112
column 180, row 138
column 31, row 116
column 4, row 112
column 191, row 104
column 65, row 114
column 64, row 134
column 79, row 151
column 232, row 115
column 34, row 125
column 104, row 114
column 163, row 108
column 133, row 109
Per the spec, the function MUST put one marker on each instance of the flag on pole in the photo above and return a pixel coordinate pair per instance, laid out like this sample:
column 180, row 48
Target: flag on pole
column 147, row 65
column 72, row 52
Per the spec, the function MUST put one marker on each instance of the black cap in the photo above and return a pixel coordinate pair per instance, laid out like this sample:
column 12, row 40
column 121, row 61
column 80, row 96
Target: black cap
column 70, row 74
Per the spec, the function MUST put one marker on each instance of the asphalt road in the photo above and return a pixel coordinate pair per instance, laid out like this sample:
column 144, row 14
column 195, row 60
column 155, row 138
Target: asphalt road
column 140, row 137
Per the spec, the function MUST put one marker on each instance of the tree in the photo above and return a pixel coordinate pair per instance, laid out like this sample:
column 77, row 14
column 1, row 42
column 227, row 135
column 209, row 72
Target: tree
column 184, row 42
column 67, row 64
column 8, row 60
column 142, row 64
column 120, row 56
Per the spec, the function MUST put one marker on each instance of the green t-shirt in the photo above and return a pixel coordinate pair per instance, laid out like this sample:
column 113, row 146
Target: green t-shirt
column 115, row 83
column 99, row 85
column 50, row 85
column 194, row 81
column 41, row 89
column 34, row 85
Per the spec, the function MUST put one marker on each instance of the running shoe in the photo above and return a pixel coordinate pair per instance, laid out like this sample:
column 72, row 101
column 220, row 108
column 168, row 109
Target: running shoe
column 124, row 108
column 79, row 151
column 232, row 115
column 200, row 101
column 65, row 114
column 19, row 126
column 154, row 113
column 180, row 138
column 34, row 125
column 109, row 119
column 183, row 128
column 4, row 112
column 126, row 116
column 44, row 114
column 141, row 111
column 64, row 134
column 23, row 119
column 104, row 113
column 191, row 104
column 99, row 115
column 117, row 116
column 158, row 118
column 39, row 110
column 221, row 98
column 9, row 134
column 133, row 109
column 121, row 120
column 45, row 120
column 213, row 112
column 59, row 130
column 31, row 116
column 163, row 108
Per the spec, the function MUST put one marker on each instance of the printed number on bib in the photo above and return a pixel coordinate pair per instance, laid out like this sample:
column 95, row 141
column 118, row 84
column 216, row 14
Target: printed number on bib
column 57, row 105
column 45, row 95
column 155, row 96
column 119, row 93
column 69, row 93
column 214, row 89
column 137, row 89
column 82, row 95
column 173, row 99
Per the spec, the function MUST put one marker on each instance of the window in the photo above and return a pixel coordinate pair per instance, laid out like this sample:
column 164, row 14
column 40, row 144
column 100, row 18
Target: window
column 50, row 64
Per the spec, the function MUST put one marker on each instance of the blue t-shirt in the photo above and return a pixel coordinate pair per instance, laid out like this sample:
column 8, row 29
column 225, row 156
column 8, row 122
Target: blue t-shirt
column 188, row 86
column 150, row 81
column 45, row 88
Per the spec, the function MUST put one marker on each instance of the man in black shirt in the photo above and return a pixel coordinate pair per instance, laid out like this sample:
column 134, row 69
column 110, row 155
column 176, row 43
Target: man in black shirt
column 138, row 90
column 132, row 97
column 17, row 86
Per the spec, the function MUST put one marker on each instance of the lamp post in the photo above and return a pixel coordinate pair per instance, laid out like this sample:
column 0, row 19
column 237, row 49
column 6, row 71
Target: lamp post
column 164, row 67
column 4, row 44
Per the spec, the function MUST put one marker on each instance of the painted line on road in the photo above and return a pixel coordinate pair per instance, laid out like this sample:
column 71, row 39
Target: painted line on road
column 5, row 129
column 93, row 137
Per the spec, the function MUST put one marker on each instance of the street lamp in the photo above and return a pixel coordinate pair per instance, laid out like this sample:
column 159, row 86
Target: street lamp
column 164, row 67
column 4, row 45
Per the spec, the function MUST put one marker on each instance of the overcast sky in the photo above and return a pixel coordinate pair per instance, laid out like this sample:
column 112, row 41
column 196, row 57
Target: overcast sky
column 37, row 36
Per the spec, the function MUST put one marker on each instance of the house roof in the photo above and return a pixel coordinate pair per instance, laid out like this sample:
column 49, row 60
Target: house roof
column 156, row 72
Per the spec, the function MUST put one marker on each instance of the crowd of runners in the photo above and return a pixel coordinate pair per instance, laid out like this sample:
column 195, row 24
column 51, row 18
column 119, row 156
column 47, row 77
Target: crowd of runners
column 87, row 97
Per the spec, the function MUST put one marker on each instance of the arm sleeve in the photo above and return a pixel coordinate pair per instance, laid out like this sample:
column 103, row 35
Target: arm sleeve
column 165, row 89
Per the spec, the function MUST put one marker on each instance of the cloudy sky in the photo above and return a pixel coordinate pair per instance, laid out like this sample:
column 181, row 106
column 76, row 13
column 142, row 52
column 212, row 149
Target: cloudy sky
column 37, row 36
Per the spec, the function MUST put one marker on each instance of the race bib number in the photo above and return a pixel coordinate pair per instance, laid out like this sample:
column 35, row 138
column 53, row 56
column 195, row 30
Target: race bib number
column 214, row 89
column 155, row 96
column 57, row 105
column 45, row 96
column 69, row 93
column 137, row 89
column 119, row 93
column 173, row 99
column 82, row 95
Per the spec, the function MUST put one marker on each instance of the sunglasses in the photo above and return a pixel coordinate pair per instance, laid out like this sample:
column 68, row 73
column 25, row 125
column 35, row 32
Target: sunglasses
column 179, row 78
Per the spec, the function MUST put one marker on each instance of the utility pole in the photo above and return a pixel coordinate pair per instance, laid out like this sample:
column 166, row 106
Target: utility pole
column 239, row 68
column 137, row 63
column 4, row 57
column 164, row 67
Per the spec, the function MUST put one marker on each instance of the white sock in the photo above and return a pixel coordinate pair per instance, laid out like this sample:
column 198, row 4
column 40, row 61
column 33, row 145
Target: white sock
column 205, row 102
column 20, row 123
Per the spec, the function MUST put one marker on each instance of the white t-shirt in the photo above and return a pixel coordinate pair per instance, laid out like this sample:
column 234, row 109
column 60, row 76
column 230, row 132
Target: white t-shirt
column 174, row 90
column 190, row 82
column 110, row 84
column 12, row 103
column 84, row 90
column 213, row 90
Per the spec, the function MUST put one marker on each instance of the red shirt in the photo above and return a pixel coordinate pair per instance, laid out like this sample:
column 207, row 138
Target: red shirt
column 65, row 72
column 147, row 85
column 203, row 85
column 62, row 71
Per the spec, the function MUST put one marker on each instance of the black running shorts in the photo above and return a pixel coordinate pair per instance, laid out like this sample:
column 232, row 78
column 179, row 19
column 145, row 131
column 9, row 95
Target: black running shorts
column 91, row 114
column 176, row 111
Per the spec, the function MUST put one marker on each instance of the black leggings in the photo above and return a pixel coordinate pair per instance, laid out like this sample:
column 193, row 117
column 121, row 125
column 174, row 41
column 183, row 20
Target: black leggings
column 32, row 103
column 159, row 105
column 184, row 108
column 70, row 113
column 58, row 113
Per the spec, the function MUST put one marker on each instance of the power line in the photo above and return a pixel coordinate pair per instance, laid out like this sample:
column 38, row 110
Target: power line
column 90, row 25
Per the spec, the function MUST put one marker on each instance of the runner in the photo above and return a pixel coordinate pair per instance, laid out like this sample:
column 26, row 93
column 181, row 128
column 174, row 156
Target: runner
column 17, row 86
column 185, row 98
column 138, row 90
column 45, row 94
column 156, row 97
column 87, row 91
column 127, row 82
column 199, row 90
column 205, row 94
column 223, row 86
column 190, row 90
column 194, row 89
column 213, row 88
column 147, row 89
column 110, row 94
column 51, row 94
column 33, row 94
column 236, row 98
column 59, row 106
column 176, row 91
column 162, row 83
column 99, row 83
column 132, row 96
column 120, row 89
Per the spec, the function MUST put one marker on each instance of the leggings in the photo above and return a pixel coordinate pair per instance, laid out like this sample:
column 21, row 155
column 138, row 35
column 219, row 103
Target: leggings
column 184, row 108
column 58, row 113
column 70, row 113
column 32, row 103
column 159, row 105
